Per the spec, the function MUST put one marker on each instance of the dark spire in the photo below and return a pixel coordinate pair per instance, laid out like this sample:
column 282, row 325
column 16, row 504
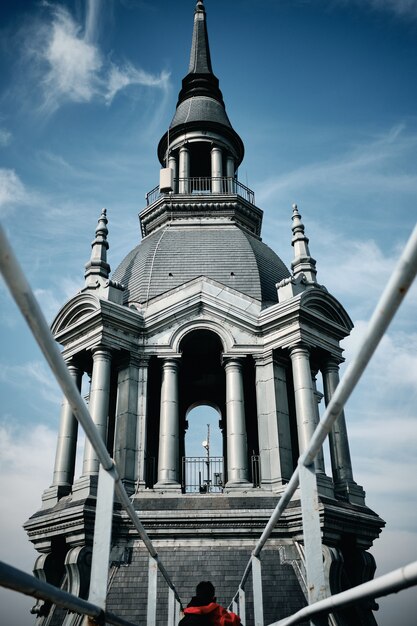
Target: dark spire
column 200, row 62
column 200, row 80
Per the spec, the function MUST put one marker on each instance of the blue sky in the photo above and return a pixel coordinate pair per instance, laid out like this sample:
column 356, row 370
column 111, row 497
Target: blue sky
column 323, row 94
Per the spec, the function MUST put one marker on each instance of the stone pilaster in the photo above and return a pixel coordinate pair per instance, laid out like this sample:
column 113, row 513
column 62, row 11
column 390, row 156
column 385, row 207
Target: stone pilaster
column 273, row 422
column 126, row 422
column 142, row 413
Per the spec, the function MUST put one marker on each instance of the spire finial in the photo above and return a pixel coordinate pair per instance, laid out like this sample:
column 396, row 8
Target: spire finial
column 303, row 262
column 97, row 267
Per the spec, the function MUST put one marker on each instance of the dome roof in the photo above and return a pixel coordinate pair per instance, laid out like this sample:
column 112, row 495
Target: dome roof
column 175, row 255
column 201, row 109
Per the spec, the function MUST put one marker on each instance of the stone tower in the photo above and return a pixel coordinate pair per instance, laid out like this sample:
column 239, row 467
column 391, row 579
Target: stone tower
column 202, row 312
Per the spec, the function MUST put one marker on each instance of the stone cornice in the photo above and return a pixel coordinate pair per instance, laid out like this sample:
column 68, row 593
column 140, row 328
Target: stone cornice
column 213, row 207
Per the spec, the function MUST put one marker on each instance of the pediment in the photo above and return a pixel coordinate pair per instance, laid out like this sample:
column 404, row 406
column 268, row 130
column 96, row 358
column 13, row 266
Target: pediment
column 74, row 311
column 323, row 304
column 203, row 290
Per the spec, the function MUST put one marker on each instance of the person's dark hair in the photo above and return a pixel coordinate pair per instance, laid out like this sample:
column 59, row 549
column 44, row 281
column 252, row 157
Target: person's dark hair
column 205, row 590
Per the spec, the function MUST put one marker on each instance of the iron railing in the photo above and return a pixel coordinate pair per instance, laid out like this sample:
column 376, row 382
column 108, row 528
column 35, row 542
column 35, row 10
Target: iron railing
column 108, row 482
column 201, row 474
column 205, row 185
column 304, row 476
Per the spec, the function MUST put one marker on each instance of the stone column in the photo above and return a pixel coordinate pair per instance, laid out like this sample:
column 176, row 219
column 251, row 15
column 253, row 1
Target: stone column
column 67, row 440
column 98, row 404
column 142, row 412
column 275, row 449
column 305, row 401
column 168, row 458
column 184, row 170
column 216, row 170
column 230, row 173
column 320, row 467
column 237, row 454
column 345, row 486
column 126, row 422
column 172, row 164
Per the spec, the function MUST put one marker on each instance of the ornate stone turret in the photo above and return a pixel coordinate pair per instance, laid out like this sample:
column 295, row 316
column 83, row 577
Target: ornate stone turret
column 201, row 323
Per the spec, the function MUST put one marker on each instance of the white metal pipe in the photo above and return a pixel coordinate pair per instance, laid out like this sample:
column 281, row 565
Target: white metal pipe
column 392, row 582
column 31, row 311
column 15, row 579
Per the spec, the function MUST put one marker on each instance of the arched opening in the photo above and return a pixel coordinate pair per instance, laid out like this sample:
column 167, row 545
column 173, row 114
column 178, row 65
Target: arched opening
column 203, row 470
column 202, row 387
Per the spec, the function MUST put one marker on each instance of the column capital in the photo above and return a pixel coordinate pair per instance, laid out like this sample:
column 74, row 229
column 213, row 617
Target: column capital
column 299, row 348
column 73, row 366
column 172, row 363
column 232, row 361
column 331, row 364
column 101, row 352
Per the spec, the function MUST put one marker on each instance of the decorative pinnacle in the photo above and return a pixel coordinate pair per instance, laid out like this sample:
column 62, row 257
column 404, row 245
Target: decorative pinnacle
column 97, row 265
column 101, row 230
column 199, row 6
column 303, row 262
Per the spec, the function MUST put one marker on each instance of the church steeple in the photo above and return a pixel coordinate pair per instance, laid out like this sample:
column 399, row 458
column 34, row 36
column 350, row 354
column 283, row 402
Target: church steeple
column 200, row 122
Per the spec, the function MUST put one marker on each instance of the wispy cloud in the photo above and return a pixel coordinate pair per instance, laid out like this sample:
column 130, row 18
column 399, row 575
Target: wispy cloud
column 362, row 166
column 121, row 77
column 72, row 66
column 402, row 8
column 33, row 378
column 12, row 191
column 73, row 63
column 406, row 9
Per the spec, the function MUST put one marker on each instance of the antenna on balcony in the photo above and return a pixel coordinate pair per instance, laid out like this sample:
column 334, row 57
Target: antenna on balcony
column 206, row 445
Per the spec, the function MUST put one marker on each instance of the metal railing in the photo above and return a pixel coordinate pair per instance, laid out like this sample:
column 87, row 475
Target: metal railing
column 304, row 476
column 109, row 480
column 202, row 474
column 205, row 185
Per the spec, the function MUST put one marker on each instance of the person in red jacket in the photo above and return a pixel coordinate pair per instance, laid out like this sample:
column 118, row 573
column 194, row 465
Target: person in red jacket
column 203, row 609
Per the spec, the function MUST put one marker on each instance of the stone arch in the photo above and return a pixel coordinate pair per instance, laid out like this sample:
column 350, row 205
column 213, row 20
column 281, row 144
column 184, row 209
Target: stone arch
column 226, row 338
column 326, row 306
column 201, row 377
column 76, row 309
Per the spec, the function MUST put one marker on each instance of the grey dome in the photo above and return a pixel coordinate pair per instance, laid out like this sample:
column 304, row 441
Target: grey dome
column 200, row 109
column 168, row 258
